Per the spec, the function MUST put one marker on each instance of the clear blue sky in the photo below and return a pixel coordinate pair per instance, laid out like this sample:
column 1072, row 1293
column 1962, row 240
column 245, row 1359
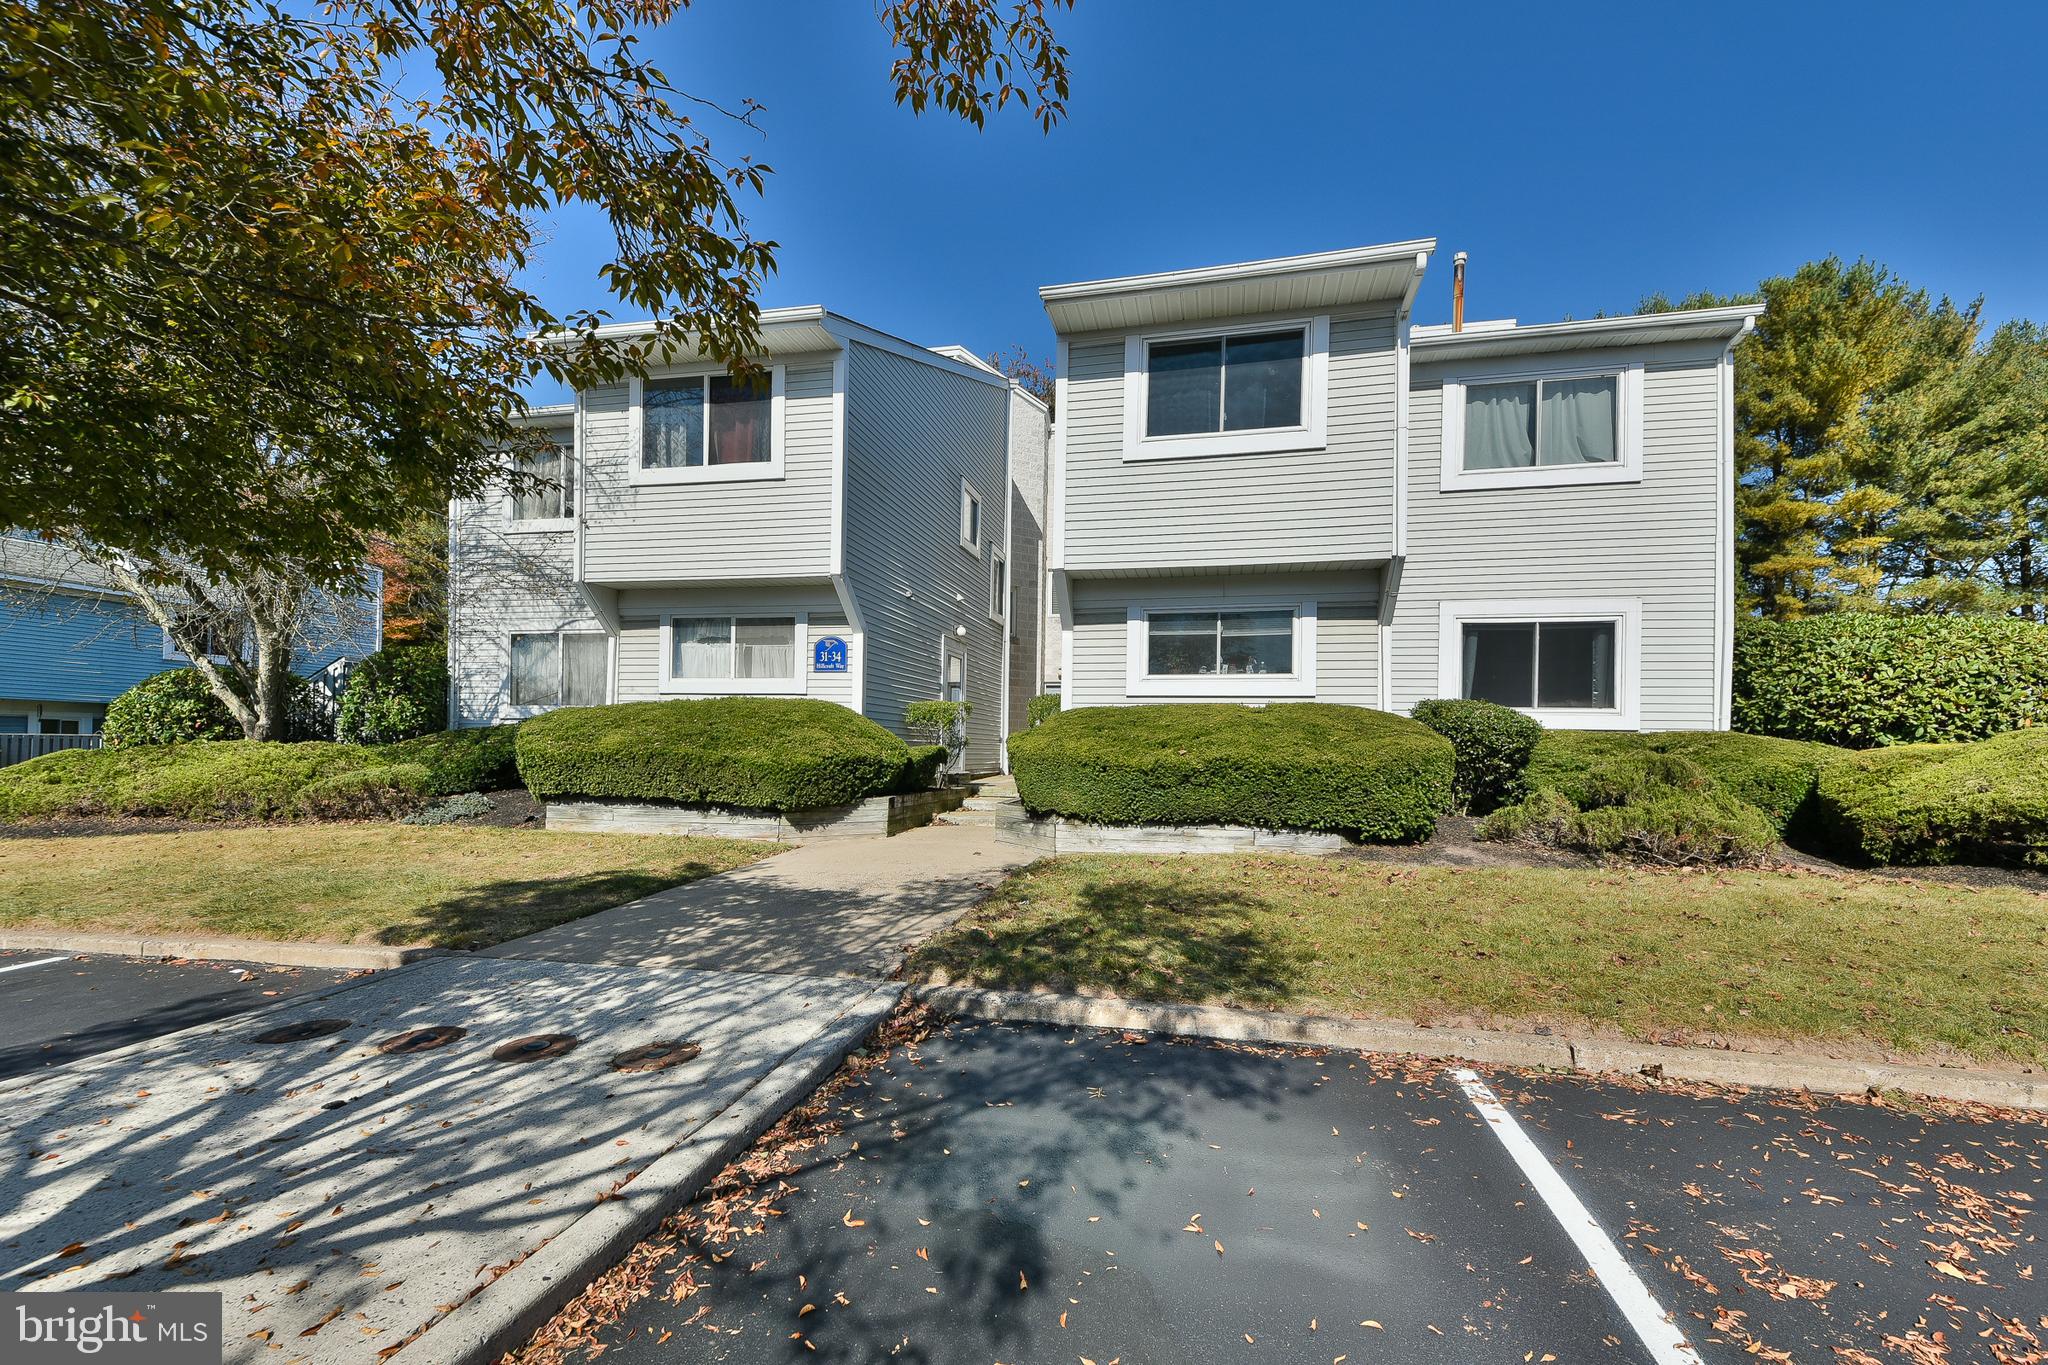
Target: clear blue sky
column 1584, row 155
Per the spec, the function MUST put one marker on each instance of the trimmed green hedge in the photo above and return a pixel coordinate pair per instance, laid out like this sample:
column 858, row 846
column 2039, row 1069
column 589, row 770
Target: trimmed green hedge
column 1941, row 803
column 396, row 693
column 1493, row 745
column 1777, row 776
column 1661, row 811
column 1041, row 709
column 176, row 706
column 754, row 753
column 1298, row 765
column 1865, row 679
column 241, row 779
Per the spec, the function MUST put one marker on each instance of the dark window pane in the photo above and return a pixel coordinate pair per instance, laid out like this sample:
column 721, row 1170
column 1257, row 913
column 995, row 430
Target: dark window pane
column 1577, row 422
column 740, row 414
column 1500, row 663
column 1185, row 391
column 1575, row 664
column 1180, row 643
column 1258, row 642
column 672, row 424
column 1500, row 426
column 1262, row 381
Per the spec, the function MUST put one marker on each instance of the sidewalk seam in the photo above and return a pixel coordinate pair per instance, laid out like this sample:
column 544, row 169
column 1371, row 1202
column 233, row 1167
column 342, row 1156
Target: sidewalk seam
column 1724, row 1066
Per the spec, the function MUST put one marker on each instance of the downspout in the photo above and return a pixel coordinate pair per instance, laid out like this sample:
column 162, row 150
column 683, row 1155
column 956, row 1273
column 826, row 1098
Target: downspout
column 1390, row 574
column 835, row 565
column 1724, row 521
column 448, row 647
column 1056, row 524
column 1009, row 567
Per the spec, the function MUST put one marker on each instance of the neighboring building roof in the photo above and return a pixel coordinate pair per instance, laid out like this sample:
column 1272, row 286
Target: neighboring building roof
column 1326, row 279
column 1482, row 339
column 809, row 329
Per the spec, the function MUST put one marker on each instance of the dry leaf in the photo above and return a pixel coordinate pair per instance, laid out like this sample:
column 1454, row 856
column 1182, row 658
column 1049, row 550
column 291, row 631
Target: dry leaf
column 851, row 1221
column 1218, row 1246
column 1369, row 1322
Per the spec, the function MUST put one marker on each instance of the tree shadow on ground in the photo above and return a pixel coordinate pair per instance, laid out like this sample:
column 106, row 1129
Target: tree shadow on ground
column 485, row 915
column 1134, row 937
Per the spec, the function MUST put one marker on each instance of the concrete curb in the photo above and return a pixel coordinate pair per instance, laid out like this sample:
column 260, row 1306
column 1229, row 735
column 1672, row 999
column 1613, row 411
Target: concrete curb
column 510, row 1309
column 342, row 956
column 1822, row 1075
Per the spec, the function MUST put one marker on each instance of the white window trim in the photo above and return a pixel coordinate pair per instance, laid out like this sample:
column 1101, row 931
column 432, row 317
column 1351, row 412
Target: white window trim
column 173, row 655
column 970, row 538
column 1625, row 612
column 1300, row 683
column 998, row 602
column 794, row 686
column 778, row 425
column 508, row 712
column 1310, row 435
column 571, row 466
column 1628, row 430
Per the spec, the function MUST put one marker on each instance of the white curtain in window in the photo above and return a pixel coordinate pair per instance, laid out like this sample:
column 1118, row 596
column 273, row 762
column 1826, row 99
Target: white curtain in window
column 536, row 670
column 1500, row 429
column 1578, row 421
column 703, row 647
column 585, row 666
column 764, row 647
column 672, row 423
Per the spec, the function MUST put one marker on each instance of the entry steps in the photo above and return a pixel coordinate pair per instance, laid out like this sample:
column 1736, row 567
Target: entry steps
column 991, row 801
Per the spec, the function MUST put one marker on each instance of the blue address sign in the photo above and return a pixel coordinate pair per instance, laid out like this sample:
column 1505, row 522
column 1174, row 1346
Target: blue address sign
column 828, row 655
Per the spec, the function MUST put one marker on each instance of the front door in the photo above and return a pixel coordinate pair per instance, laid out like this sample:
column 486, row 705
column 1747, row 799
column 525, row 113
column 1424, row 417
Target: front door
column 955, row 662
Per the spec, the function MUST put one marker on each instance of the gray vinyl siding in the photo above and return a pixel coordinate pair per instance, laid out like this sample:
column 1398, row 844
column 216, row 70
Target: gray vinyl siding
column 639, row 661
column 737, row 530
column 913, row 431
column 1284, row 507
column 1029, row 478
column 1657, row 541
column 1347, row 630
column 502, row 582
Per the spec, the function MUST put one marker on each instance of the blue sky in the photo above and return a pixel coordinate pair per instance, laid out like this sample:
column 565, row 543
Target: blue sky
column 1583, row 155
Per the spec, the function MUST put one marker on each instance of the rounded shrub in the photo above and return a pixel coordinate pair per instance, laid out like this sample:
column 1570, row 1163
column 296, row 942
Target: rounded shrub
column 751, row 753
column 1041, row 709
column 168, row 708
column 1493, row 744
column 1941, row 803
column 1645, row 806
column 396, row 693
column 1865, row 679
column 1298, row 765
column 479, row 760
column 1776, row 776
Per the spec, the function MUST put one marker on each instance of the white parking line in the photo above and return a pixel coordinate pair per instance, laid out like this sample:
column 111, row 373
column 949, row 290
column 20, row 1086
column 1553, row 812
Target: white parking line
column 1660, row 1335
column 39, row 962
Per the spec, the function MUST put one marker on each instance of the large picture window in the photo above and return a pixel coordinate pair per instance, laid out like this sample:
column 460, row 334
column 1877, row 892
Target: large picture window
column 733, row 653
column 1570, row 662
column 551, row 501
column 709, row 427
column 560, row 668
column 1247, row 382
column 1257, row 649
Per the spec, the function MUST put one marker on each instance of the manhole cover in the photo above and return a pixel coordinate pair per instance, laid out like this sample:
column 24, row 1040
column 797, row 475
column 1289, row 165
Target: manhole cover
column 301, row 1031
column 655, row 1056
column 537, row 1048
column 422, row 1039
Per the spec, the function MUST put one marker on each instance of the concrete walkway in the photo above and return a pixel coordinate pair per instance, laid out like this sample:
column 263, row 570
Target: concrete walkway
column 832, row 908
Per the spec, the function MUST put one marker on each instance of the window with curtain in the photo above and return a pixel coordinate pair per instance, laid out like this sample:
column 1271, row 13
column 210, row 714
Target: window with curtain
column 1228, row 383
column 544, row 503
column 732, row 648
column 560, row 668
column 705, row 420
column 1532, row 423
column 1219, row 643
column 1565, row 665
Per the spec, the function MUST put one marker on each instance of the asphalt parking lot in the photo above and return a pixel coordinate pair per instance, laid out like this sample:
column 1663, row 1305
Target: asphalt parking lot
column 1019, row 1194
column 56, row 1008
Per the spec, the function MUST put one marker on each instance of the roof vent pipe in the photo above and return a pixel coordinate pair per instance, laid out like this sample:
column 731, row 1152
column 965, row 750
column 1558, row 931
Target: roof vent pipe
column 1458, row 292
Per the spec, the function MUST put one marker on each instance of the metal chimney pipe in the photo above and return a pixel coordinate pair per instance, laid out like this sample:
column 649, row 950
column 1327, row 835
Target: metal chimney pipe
column 1458, row 292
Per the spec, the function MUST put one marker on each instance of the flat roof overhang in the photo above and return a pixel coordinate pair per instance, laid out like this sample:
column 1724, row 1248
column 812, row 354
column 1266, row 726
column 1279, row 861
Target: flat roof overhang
column 1327, row 279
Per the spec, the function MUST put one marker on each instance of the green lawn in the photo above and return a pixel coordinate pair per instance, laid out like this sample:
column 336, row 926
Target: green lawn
column 1919, row 966
column 448, row 886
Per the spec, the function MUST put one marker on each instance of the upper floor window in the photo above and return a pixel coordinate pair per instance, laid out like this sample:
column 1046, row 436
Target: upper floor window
column 1239, row 390
column 998, row 589
column 709, row 426
column 1575, row 426
column 553, row 500
column 970, row 518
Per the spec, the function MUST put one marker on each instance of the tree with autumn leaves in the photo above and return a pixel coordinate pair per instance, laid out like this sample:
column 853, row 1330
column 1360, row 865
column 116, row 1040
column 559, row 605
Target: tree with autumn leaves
column 262, row 298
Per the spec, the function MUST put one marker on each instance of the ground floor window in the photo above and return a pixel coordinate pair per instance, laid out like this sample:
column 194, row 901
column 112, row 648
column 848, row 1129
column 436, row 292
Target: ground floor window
column 733, row 649
column 68, row 725
column 1541, row 664
column 560, row 668
column 13, row 725
column 1255, row 649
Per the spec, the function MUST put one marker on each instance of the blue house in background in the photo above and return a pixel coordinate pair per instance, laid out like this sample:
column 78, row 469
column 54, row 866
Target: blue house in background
column 70, row 644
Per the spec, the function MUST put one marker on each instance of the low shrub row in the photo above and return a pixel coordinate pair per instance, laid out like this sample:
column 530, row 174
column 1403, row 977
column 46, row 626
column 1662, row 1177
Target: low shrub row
column 750, row 753
column 1864, row 679
column 236, row 779
column 1647, row 805
column 1299, row 765
column 1940, row 803
column 176, row 706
